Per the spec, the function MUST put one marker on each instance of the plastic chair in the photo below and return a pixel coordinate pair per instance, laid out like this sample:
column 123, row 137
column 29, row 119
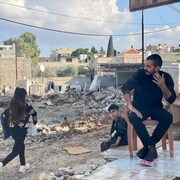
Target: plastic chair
column 132, row 136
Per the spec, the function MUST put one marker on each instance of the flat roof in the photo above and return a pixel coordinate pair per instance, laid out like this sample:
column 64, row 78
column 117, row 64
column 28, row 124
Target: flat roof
column 119, row 66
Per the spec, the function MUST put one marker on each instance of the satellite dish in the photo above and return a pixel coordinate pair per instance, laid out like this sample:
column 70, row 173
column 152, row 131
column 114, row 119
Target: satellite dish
column 42, row 67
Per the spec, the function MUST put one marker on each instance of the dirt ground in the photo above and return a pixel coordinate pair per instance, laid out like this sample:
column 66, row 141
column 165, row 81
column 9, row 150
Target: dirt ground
column 48, row 155
column 45, row 152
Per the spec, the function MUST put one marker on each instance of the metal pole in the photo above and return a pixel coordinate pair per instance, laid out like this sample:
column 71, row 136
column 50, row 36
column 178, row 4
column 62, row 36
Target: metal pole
column 41, row 77
column 142, row 38
column 16, row 60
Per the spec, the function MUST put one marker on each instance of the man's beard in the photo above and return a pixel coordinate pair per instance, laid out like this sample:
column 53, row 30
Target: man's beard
column 147, row 72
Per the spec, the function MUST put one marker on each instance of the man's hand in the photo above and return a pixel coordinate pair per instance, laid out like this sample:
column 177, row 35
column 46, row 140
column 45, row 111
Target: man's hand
column 159, row 80
column 133, row 109
column 127, row 98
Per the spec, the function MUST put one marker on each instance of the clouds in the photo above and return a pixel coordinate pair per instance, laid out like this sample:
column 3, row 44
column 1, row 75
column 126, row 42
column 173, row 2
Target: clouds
column 82, row 16
column 18, row 11
column 9, row 11
column 169, row 36
column 85, row 16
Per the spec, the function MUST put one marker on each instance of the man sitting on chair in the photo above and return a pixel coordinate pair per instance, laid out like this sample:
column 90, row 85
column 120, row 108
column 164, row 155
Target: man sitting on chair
column 150, row 85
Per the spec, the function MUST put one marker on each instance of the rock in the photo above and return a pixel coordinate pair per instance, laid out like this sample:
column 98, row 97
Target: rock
column 44, row 176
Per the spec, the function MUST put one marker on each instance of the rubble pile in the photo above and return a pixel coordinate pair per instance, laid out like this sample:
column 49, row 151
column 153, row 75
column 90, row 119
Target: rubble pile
column 72, row 111
column 75, row 105
column 75, row 173
column 64, row 120
column 4, row 102
column 75, row 111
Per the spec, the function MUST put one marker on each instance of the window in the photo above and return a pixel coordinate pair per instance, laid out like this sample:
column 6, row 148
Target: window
column 69, row 59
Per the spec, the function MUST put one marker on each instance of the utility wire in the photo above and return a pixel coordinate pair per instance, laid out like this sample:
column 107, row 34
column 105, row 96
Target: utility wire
column 76, row 17
column 83, row 34
column 165, row 22
column 174, row 8
column 48, row 12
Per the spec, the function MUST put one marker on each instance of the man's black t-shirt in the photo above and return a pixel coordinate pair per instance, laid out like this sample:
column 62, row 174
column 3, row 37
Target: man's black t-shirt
column 148, row 94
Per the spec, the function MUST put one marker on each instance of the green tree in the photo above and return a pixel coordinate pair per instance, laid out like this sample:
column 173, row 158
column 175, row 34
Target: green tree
column 102, row 51
column 93, row 50
column 67, row 71
column 49, row 72
column 83, row 70
column 30, row 47
column 110, row 49
column 79, row 51
column 25, row 45
column 90, row 55
column 10, row 41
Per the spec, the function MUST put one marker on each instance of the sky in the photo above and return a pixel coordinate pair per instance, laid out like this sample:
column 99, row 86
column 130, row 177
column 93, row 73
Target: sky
column 86, row 23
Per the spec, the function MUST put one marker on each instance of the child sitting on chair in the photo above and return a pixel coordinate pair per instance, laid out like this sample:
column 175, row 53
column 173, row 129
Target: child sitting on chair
column 118, row 133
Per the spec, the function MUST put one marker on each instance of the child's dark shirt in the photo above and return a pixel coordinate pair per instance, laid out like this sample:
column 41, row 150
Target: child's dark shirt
column 119, row 128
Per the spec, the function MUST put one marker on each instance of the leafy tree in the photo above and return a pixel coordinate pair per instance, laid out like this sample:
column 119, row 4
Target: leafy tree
column 49, row 72
column 82, row 70
column 93, row 50
column 67, row 71
column 10, row 41
column 79, row 51
column 110, row 50
column 25, row 45
column 29, row 38
column 102, row 51
column 30, row 47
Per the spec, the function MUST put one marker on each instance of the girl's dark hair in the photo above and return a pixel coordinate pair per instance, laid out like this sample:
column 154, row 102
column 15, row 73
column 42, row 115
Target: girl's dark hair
column 17, row 105
column 157, row 60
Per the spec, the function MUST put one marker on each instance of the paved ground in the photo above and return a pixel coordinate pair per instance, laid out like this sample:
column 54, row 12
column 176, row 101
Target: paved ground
column 125, row 168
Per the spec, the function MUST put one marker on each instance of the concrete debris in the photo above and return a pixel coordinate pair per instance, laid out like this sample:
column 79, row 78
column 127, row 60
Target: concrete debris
column 89, row 167
column 63, row 114
column 75, row 173
column 62, row 174
column 49, row 103
column 65, row 173
column 44, row 176
column 70, row 106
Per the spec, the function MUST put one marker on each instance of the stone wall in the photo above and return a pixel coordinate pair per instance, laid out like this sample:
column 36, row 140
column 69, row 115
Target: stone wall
column 63, row 63
column 8, row 70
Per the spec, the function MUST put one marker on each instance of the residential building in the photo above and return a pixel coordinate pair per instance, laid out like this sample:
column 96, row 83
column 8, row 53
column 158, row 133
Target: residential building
column 62, row 54
column 131, row 56
column 7, row 51
column 12, row 68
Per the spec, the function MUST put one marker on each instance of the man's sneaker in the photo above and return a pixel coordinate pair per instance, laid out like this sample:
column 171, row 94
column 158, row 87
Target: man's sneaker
column 142, row 153
column 1, row 165
column 152, row 154
column 22, row 169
